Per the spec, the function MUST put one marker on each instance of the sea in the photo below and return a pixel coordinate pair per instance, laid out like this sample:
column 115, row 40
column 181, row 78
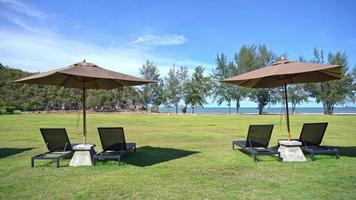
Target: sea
column 267, row 110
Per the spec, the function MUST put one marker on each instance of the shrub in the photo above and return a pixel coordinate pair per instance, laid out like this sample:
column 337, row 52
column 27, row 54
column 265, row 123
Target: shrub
column 7, row 110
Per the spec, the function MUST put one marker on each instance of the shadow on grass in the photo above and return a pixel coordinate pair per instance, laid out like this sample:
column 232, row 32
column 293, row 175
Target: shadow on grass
column 346, row 151
column 5, row 152
column 148, row 155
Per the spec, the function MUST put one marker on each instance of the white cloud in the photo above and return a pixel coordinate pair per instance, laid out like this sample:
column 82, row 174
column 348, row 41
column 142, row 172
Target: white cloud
column 160, row 40
column 22, row 8
column 19, row 22
column 36, row 48
column 43, row 52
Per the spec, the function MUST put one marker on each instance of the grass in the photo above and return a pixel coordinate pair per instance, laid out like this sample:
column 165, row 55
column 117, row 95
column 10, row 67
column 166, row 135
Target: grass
column 178, row 157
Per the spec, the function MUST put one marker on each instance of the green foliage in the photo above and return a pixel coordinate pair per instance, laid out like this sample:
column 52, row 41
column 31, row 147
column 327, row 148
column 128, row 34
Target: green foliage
column 13, row 94
column 335, row 92
column 179, row 86
column 175, row 83
column 37, row 97
column 152, row 94
column 353, row 75
column 197, row 89
column 221, row 90
column 250, row 58
column 262, row 97
column 225, row 92
column 104, row 99
column 159, row 96
column 237, row 93
column 34, row 97
column 296, row 95
column 7, row 110
column 245, row 59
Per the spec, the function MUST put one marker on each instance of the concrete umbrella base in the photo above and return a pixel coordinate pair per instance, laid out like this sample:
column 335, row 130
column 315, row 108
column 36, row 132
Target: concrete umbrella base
column 83, row 155
column 290, row 151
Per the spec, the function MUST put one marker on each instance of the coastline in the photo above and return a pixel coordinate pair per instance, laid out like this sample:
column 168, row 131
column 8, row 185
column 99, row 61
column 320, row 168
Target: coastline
column 91, row 112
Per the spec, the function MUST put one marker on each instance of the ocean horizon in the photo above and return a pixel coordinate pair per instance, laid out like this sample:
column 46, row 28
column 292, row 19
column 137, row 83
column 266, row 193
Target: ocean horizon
column 253, row 110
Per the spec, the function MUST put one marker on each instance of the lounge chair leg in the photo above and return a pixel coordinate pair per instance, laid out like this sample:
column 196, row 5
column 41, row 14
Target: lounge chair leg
column 255, row 157
column 32, row 163
column 233, row 146
column 57, row 162
column 337, row 155
column 94, row 161
column 279, row 156
column 119, row 160
column 313, row 156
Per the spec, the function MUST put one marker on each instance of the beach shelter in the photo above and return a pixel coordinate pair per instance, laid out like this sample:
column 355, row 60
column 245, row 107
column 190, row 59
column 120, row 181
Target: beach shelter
column 84, row 76
column 286, row 72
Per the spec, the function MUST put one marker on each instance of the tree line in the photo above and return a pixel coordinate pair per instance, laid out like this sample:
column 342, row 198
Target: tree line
column 251, row 57
column 183, row 89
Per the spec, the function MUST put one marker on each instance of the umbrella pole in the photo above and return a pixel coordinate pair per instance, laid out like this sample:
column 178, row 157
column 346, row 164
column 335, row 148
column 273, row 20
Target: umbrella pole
column 287, row 111
column 84, row 117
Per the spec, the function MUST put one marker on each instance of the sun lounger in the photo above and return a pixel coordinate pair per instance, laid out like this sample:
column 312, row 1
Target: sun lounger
column 311, row 137
column 257, row 141
column 57, row 143
column 113, row 143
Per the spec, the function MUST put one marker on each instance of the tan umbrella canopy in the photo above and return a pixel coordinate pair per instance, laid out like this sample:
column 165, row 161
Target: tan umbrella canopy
column 286, row 72
column 84, row 75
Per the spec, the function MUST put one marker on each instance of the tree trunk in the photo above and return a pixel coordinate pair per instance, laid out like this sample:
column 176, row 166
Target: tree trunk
column 193, row 109
column 260, row 108
column 294, row 105
column 156, row 108
column 328, row 108
column 184, row 109
column 229, row 105
column 237, row 106
column 176, row 105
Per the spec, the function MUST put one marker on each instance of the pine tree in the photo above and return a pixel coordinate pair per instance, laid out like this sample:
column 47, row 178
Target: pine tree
column 198, row 89
column 174, row 85
column 334, row 92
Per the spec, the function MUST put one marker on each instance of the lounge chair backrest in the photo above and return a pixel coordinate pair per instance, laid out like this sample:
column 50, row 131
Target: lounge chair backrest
column 112, row 138
column 312, row 133
column 56, row 139
column 259, row 135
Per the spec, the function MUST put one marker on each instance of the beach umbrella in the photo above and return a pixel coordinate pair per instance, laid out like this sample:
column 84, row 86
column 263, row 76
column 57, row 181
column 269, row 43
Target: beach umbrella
column 286, row 72
column 84, row 76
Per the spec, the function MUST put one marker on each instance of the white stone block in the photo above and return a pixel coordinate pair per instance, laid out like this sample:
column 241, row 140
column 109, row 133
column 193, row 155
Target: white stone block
column 290, row 143
column 83, row 155
column 86, row 147
column 290, row 151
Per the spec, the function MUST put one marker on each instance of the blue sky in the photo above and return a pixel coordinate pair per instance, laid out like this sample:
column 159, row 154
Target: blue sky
column 120, row 35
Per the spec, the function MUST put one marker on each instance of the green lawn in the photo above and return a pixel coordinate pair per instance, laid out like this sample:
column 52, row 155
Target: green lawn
column 178, row 157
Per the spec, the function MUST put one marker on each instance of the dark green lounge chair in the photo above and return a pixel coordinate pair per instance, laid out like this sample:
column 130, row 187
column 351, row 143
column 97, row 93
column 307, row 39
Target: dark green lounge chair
column 257, row 141
column 113, row 143
column 311, row 137
column 57, row 143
